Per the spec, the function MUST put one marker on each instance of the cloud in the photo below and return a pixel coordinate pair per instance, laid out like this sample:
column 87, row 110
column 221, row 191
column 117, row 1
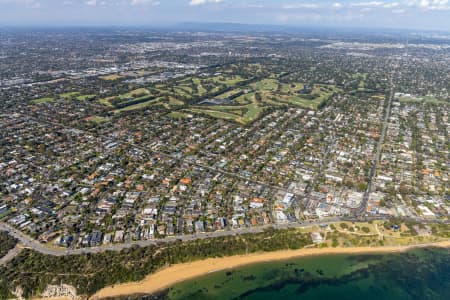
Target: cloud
column 420, row 4
column 365, row 5
column 27, row 3
column 301, row 5
column 118, row 2
column 431, row 4
column 391, row 5
column 101, row 3
column 253, row 5
column 202, row 2
column 319, row 17
column 138, row 2
column 375, row 4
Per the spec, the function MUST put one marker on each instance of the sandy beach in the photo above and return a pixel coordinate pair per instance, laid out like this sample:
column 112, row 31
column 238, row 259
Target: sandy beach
column 181, row 272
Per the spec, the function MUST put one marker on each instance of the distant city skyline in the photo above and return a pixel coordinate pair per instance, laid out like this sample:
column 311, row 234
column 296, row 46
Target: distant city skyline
column 405, row 14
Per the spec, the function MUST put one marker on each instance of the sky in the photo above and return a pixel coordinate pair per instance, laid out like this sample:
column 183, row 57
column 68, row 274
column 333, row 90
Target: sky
column 407, row 14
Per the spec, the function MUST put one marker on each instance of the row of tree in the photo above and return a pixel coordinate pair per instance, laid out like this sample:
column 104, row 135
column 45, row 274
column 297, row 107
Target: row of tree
column 90, row 272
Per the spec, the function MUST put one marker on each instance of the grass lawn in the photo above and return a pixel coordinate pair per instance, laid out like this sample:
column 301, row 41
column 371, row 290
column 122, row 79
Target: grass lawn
column 215, row 114
column 43, row 100
column 219, row 107
column 289, row 93
column 272, row 102
column 185, row 88
column 245, row 99
column 228, row 94
column 253, row 113
column 183, row 91
column 248, row 109
column 424, row 99
column 178, row 115
column 133, row 95
column 111, row 77
column 106, row 101
column 237, row 110
column 323, row 92
column 174, row 101
column 141, row 98
column 291, row 87
column 86, row 97
column 265, row 85
column 69, row 95
column 243, row 114
column 305, row 103
column 139, row 105
column 226, row 79
column 245, row 109
column 199, row 86
column 198, row 83
column 98, row 119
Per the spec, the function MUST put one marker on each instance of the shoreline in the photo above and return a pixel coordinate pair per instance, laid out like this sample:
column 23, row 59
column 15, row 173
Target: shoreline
column 177, row 273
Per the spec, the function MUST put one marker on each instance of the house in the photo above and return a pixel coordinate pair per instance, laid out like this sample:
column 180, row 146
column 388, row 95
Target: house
column 3, row 209
column 95, row 238
column 257, row 203
column 426, row 212
column 107, row 239
column 199, row 226
column 118, row 236
column 335, row 178
column 288, row 197
column 186, row 181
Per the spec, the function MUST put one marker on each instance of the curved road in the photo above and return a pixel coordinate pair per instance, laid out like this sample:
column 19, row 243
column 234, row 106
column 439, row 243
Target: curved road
column 28, row 242
column 31, row 243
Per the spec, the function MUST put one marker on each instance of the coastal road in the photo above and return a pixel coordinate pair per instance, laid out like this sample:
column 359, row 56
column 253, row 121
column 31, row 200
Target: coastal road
column 28, row 242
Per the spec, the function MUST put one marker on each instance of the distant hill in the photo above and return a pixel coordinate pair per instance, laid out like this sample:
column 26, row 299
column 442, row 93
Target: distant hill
column 239, row 27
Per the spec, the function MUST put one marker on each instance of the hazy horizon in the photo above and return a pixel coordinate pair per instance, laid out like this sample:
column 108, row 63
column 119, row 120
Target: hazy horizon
column 389, row 14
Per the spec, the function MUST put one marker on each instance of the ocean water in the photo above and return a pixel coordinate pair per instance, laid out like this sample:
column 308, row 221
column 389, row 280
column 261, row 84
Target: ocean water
column 418, row 274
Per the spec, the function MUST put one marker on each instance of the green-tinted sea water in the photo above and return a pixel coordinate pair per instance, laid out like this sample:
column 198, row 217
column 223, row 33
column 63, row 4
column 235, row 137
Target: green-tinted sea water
column 418, row 274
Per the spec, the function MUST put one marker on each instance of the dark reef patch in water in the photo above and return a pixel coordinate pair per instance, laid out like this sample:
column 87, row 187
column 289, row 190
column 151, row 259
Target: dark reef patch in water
column 422, row 274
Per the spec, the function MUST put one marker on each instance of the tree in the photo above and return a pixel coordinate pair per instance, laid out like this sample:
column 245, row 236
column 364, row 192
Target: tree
column 365, row 229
